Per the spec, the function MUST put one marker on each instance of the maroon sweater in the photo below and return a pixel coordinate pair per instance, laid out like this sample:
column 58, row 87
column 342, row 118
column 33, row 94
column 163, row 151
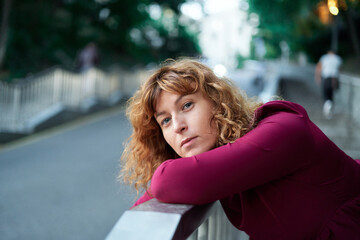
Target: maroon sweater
column 283, row 180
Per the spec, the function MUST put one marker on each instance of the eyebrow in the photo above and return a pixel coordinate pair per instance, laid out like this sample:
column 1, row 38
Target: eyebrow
column 176, row 102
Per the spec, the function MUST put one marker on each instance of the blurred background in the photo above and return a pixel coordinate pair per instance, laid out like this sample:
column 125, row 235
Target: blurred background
column 67, row 68
column 36, row 35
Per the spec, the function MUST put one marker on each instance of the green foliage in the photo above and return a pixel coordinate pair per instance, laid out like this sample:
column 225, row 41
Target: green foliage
column 47, row 33
column 240, row 61
column 297, row 23
column 283, row 20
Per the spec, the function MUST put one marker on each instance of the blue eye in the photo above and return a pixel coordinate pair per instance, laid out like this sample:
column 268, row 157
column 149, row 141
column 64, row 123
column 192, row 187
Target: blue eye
column 187, row 105
column 165, row 121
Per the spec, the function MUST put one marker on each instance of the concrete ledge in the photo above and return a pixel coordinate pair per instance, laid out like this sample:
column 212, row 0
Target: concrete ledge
column 154, row 220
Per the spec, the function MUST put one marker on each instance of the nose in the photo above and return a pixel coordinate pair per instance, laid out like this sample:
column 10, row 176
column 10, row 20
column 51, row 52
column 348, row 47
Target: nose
column 179, row 124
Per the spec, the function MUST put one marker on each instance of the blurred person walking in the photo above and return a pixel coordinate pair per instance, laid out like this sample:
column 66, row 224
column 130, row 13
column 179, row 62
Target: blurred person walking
column 87, row 58
column 327, row 74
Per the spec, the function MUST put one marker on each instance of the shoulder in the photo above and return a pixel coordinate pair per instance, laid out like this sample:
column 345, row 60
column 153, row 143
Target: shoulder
column 284, row 117
column 280, row 107
column 281, row 123
column 323, row 57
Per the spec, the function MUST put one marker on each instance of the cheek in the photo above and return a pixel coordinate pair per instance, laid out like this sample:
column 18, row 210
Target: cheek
column 168, row 139
column 215, row 137
column 213, row 125
column 214, row 132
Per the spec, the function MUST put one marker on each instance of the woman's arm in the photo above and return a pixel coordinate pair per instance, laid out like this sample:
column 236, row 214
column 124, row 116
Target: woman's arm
column 144, row 198
column 278, row 146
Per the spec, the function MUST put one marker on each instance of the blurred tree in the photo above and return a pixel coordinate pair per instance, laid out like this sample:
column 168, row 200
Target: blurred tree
column 304, row 24
column 4, row 29
column 350, row 15
column 279, row 20
column 45, row 33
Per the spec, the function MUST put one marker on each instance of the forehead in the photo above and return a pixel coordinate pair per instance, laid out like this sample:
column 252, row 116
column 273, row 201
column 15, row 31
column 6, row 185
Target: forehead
column 177, row 84
column 169, row 99
column 166, row 98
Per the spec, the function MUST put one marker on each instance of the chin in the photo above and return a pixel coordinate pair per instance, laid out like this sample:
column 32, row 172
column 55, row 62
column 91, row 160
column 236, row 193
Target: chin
column 195, row 152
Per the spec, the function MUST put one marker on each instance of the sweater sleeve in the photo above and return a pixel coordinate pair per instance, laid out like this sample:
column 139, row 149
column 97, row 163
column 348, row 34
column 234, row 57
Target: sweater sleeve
column 144, row 198
column 275, row 148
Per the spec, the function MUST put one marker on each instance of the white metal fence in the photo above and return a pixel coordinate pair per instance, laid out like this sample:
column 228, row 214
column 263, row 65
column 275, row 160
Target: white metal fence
column 25, row 104
column 217, row 226
column 348, row 96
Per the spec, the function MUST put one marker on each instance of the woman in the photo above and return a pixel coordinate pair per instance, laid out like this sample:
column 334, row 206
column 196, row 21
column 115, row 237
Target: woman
column 275, row 173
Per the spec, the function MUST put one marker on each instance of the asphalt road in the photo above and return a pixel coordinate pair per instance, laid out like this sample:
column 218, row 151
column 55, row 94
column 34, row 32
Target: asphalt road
column 61, row 184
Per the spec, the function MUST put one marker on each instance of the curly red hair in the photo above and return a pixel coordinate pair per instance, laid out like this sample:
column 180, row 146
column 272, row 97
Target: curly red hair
column 146, row 148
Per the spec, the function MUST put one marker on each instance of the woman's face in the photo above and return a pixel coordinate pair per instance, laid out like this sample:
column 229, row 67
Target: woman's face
column 186, row 123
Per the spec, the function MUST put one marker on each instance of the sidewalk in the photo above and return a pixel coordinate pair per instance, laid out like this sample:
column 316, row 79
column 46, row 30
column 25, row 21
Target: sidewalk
column 340, row 129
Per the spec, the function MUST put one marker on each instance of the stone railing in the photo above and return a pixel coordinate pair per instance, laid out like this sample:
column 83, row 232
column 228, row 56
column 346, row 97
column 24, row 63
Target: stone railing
column 162, row 221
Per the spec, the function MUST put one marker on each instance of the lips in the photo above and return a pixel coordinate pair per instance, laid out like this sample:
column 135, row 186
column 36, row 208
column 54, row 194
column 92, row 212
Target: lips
column 186, row 140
